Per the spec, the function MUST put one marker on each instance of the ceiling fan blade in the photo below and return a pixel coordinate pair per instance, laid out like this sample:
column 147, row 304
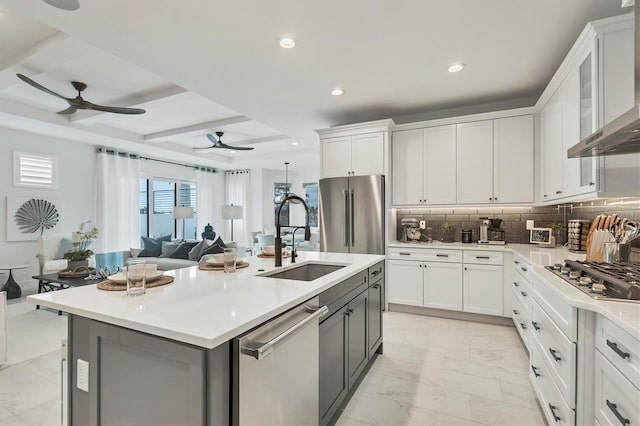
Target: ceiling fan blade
column 212, row 138
column 39, row 86
column 69, row 110
column 207, row 149
column 117, row 110
column 237, row 148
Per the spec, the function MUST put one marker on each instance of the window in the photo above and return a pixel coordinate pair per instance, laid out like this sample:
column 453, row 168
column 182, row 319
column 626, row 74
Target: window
column 34, row 170
column 163, row 195
column 311, row 198
column 280, row 190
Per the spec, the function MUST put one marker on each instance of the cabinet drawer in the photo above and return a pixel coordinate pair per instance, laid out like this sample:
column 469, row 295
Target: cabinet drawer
column 429, row 255
column 376, row 272
column 522, row 322
column 482, row 257
column 522, row 292
column 619, row 347
column 553, row 404
column 616, row 399
column 559, row 352
column 522, row 269
column 563, row 315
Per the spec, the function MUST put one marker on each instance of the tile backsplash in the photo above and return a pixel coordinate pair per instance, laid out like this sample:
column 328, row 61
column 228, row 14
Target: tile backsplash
column 514, row 218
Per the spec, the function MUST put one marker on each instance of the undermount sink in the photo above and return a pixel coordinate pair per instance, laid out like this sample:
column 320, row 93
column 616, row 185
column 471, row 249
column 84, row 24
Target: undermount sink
column 305, row 272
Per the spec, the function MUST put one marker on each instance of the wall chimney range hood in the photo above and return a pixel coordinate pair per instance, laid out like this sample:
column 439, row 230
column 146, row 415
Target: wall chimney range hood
column 621, row 135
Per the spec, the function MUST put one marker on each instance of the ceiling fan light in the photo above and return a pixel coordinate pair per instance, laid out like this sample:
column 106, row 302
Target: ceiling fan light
column 64, row 4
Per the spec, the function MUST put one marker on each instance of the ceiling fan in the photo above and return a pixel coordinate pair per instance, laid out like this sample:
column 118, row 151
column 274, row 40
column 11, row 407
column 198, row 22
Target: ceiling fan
column 78, row 102
column 217, row 143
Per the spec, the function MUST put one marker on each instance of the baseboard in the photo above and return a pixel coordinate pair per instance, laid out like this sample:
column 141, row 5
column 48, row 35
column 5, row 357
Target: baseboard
column 443, row 313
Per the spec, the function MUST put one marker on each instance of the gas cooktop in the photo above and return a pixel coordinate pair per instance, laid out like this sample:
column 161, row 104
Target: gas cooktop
column 600, row 280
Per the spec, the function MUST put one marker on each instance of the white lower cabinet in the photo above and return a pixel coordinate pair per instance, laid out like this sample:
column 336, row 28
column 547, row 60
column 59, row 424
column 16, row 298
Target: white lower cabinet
column 482, row 289
column 405, row 282
column 617, row 400
column 443, row 285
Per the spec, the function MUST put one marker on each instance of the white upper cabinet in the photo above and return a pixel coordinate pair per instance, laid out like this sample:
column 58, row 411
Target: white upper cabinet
column 513, row 159
column 475, row 162
column 593, row 86
column 353, row 155
column 367, row 154
column 407, row 167
column 336, row 157
column 424, row 166
column 355, row 149
column 439, row 165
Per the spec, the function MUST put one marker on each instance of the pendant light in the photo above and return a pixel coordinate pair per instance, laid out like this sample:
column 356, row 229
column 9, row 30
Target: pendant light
column 278, row 198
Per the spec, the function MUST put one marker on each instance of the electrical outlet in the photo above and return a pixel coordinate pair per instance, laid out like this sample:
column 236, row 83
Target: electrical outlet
column 423, row 224
column 529, row 224
column 83, row 375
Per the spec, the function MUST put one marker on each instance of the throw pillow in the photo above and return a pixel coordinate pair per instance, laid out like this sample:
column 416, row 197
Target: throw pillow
column 182, row 252
column 168, row 248
column 216, row 247
column 194, row 254
column 153, row 246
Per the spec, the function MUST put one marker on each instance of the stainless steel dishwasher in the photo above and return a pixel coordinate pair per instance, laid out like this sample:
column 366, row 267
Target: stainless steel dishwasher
column 275, row 370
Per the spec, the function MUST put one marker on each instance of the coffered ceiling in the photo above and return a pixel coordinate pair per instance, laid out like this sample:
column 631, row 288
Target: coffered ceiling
column 200, row 66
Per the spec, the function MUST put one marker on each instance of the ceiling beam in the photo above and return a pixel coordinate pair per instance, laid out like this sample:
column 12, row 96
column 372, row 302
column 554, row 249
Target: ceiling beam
column 197, row 127
column 133, row 101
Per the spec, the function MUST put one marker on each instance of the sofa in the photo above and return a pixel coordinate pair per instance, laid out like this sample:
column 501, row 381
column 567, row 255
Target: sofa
column 51, row 249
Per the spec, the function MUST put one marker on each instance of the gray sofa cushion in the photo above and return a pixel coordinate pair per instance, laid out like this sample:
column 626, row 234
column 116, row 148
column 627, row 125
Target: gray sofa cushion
column 167, row 263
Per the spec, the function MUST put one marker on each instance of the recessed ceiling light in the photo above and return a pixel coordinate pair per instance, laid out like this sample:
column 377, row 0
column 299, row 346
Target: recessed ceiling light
column 232, row 152
column 337, row 92
column 287, row 42
column 294, row 143
column 64, row 4
column 455, row 67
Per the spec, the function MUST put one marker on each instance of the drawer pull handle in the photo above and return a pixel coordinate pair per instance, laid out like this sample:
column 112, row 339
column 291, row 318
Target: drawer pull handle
column 535, row 371
column 516, row 262
column 524, row 293
column 516, row 284
column 515, row 311
column 524, row 269
column 404, row 254
column 376, row 286
column 553, row 413
column 535, row 325
column 483, row 257
column 524, row 327
column 442, row 255
column 622, row 354
column 374, row 273
column 553, row 353
column 614, row 408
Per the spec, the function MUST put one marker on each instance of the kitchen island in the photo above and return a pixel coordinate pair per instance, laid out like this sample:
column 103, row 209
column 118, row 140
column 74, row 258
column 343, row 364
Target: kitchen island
column 166, row 357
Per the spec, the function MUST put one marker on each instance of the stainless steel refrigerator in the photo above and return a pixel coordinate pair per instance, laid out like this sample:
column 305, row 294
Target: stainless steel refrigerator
column 352, row 214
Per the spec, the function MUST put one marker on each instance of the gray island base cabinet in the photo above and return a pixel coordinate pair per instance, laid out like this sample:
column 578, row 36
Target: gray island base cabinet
column 140, row 379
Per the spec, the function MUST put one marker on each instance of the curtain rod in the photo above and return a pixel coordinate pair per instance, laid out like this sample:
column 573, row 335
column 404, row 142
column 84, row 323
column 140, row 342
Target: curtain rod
column 123, row 153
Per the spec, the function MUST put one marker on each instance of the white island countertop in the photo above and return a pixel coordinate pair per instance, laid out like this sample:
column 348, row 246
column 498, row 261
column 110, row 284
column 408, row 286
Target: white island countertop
column 206, row 308
column 624, row 314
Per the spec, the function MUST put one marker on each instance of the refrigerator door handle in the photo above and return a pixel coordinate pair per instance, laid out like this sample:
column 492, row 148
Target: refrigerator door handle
column 345, row 193
column 352, row 217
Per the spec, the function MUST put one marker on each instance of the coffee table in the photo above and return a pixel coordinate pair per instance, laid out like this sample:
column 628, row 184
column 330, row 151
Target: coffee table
column 11, row 286
column 52, row 282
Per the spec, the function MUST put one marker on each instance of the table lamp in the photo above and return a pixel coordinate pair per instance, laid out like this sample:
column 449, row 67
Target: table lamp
column 231, row 212
column 182, row 212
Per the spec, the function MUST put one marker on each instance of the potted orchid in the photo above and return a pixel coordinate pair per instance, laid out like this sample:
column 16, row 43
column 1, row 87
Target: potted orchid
column 81, row 239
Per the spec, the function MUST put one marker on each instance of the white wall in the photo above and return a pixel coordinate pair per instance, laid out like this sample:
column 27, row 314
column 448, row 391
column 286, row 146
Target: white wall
column 75, row 196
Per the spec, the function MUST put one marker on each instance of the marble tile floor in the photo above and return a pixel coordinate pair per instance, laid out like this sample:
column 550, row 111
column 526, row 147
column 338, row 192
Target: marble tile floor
column 434, row 371
column 438, row 371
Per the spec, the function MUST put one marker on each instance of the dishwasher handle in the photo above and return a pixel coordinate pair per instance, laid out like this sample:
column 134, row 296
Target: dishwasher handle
column 265, row 349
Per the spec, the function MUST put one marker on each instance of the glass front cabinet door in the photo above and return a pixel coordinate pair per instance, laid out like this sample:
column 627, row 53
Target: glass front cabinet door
column 588, row 115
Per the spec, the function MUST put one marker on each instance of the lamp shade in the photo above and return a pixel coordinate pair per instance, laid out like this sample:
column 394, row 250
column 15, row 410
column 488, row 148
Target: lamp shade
column 232, row 212
column 182, row 212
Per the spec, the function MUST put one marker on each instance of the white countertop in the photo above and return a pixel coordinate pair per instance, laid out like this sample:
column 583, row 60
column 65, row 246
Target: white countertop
column 206, row 308
column 624, row 314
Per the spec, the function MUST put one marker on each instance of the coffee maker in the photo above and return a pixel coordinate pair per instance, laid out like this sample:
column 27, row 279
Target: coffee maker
column 490, row 231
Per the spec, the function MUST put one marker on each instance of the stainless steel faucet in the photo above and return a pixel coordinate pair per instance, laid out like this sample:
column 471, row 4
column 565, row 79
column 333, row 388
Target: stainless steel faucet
column 307, row 228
